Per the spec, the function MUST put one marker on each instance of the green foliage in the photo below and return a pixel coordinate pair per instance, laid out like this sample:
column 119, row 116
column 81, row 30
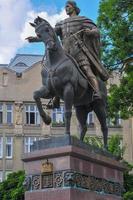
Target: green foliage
column 128, row 182
column 128, row 185
column 121, row 97
column 114, row 144
column 115, row 22
column 128, row 196
column 94, row 141
column 12, row 187
column 115, row 147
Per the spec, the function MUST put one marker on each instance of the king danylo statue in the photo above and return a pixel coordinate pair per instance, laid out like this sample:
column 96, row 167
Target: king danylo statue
column 80, row 38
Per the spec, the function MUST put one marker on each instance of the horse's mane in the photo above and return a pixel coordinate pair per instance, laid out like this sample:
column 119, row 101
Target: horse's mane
column 41, row 21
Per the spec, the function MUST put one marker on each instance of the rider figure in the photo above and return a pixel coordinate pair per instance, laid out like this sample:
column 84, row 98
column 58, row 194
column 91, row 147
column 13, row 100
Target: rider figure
column 80, row 38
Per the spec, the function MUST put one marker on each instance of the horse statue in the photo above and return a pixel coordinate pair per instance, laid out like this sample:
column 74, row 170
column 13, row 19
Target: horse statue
column 62, row 77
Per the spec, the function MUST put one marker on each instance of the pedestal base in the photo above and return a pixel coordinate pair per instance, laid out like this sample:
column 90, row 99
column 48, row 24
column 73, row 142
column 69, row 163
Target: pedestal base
column 79, row 172
column 68, row 194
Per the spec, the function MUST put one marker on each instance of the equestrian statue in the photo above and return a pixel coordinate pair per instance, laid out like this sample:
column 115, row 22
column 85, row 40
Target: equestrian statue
column 72, row 70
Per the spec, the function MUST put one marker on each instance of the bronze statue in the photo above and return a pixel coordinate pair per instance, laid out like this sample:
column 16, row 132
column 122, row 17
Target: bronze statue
column 62, row 77
column 81, row 39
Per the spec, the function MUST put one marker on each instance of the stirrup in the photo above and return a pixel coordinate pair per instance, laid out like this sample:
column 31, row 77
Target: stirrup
column 56, row 102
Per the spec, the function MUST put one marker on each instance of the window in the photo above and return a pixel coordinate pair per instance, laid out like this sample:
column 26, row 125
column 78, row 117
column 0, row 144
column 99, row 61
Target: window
column 9, row 147
column 90, row 118
column 5, row 79
column 1, row 147
column 116, row 121
column 58, row 116
column 28, row 142
column 1, row 113
column 9, row 113
column 32, row 115
column 1, row 176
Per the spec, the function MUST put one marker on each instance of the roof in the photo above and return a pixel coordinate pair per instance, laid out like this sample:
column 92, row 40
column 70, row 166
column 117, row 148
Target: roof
column 3, row 65
column 21, row 62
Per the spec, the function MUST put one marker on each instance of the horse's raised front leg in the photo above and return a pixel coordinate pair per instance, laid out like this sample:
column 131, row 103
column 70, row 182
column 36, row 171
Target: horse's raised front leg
column 68, row 96
column 38, row 94
column 82, row 113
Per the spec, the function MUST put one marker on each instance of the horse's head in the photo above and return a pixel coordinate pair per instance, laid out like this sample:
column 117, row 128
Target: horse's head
column 45, row 32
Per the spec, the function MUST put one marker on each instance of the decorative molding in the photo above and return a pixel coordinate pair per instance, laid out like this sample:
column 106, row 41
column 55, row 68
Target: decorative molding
column 72, row 179
column 36, row 182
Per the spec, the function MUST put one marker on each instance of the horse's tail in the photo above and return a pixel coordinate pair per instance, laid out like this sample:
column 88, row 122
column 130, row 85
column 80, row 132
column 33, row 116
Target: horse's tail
column 103, row 91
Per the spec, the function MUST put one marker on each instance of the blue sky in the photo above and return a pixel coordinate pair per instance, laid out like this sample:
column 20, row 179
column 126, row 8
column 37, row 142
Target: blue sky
column 15, row 15
column 88, row 8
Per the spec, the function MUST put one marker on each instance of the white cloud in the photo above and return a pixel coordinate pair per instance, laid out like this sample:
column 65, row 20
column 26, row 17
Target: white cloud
column 15, row 16
column 12, row 17
column 52, row 19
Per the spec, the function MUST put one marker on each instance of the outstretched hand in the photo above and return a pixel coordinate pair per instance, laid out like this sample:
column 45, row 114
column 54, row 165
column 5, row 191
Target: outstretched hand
column 31, row 39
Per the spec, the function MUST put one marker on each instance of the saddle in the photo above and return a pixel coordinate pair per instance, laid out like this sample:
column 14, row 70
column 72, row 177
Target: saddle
column 82, row 80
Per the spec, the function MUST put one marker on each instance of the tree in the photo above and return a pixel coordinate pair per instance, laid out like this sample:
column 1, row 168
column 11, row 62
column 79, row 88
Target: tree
column 121, row 97
column 114, row 144
column 115, row 22
column 12, row 188
column 128, row 182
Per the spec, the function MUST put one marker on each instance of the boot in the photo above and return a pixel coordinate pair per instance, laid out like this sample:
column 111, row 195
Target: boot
column 56, row 102
column 93, row 82
column 96, row 91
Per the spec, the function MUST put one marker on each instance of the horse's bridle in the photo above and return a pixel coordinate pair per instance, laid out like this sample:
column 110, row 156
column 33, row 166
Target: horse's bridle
column 50, row 40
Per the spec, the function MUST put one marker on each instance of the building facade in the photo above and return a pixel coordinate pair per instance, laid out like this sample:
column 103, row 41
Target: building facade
column 20, row 123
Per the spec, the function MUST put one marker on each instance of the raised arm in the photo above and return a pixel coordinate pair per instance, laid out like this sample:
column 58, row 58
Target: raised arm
column 33, row 39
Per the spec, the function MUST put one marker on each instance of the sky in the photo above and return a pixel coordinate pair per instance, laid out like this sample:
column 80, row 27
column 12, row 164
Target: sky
column 15, row 16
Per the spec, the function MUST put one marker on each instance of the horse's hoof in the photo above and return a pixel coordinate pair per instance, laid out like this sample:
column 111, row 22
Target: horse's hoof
column 47, row 120
column 81, row 138
column 105, row 148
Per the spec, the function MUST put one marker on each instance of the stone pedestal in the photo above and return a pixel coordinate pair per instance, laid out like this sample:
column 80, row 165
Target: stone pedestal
column 80, row 172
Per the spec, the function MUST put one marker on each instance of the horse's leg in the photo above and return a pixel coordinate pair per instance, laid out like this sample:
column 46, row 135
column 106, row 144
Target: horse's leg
column 81, row 113
column 38, row 94
column 68, row 102
column 100, row 110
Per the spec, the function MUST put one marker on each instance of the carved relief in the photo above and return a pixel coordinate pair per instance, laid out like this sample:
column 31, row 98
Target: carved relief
column 36, row 182
column 47, row 167
column 58, row 179
column 18, row 113
column 70, row 178
column 27, row 183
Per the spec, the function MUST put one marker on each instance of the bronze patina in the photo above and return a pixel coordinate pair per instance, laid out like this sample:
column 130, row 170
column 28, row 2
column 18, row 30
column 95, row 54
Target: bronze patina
column 73, row 72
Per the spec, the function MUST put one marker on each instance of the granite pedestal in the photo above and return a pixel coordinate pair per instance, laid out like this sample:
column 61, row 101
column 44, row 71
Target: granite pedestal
column 80, row 172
